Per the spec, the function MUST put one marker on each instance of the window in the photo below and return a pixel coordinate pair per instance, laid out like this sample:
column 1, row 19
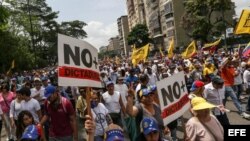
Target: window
column 168, row 8
column 170, row 24
column 170, row 33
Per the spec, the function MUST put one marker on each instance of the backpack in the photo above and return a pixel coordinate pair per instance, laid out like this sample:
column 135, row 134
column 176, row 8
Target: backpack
column 63, row 102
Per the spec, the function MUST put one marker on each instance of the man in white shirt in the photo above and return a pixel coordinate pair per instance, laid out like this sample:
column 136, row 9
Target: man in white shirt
column 113, row 102
column 215, row 93
column 38, row 91
column 30, row 104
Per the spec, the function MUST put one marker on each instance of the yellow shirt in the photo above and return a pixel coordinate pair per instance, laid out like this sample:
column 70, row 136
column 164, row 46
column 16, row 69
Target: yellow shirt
column 209, row 70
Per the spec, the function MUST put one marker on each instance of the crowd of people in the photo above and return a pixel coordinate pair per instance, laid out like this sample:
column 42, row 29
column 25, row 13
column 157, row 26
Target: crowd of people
column 34, row 107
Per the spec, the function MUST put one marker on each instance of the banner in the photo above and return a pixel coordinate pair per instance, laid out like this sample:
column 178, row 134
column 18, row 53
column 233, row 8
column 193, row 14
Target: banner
column 139, row 54
column 190, row 51
column 243, row 26
column 173, row 96
column 171, row 49
column 77, row 62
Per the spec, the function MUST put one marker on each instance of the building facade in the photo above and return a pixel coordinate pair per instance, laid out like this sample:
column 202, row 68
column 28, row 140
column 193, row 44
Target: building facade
column 136, row 13
column 114, row 44
column 123, row 30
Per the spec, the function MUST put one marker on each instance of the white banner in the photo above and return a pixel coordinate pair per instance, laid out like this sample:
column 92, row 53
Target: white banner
column 77, row 63
column 173, row 96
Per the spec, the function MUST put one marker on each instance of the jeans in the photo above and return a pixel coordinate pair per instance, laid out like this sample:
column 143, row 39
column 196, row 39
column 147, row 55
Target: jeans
column 230, row 92
column 238, row 90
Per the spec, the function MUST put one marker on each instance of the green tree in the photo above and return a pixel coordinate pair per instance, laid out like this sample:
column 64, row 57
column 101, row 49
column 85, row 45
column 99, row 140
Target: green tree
column 36, row 21
column 204, row 19
column 139, row 36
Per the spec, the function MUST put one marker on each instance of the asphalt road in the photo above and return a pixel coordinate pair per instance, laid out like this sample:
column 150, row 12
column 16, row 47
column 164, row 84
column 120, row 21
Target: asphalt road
column 234, row 118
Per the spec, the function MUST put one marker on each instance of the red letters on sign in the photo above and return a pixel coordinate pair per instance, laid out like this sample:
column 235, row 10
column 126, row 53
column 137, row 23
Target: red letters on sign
column 71, row 72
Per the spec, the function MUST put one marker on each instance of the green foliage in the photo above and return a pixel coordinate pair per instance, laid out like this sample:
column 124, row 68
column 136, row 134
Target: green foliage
column 139, row 36
column 28, row 34
column 204, row 19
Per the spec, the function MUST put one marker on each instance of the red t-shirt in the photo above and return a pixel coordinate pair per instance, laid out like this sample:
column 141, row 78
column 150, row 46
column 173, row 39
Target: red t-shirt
column 60, row 118
column 227, row 74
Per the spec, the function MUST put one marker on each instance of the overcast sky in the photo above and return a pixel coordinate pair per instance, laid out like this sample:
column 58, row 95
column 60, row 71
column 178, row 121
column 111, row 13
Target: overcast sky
column 101, row 16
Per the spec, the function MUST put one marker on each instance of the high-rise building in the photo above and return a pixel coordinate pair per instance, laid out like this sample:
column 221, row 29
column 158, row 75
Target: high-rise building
column 136, row 13
column 171, row 12
column 123, row 30
column 103, row 49
column 114, row 44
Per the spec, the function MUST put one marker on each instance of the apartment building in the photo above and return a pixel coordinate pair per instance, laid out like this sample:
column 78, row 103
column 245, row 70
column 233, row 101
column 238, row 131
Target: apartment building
column 123, row 30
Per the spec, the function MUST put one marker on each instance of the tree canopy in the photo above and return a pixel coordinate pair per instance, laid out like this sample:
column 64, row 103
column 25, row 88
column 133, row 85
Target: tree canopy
column 28, row 30
column 139, row 36
column 204, row 19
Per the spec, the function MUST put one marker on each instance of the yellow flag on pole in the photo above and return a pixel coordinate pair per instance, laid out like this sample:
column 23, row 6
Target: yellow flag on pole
column 190, row 51
column 139, row 54
column 208, row 45
column 171, row 49
column 243, row 25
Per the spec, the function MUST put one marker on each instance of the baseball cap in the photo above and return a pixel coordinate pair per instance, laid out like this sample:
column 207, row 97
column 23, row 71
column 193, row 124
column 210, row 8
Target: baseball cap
column 217, row 80
column 144, row 92
column 49, row 90
column 114, row 134
column 199, row 103
column 196, row 84
column 152, row 88
column 30, row 132
column 149, row 125
column 109, row 83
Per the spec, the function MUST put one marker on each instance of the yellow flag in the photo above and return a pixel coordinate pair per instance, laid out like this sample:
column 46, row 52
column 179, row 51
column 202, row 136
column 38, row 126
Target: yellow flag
column 13, row 64
column 190, row 51
column 208, row 45
column 243, row 25
column 171, row 49
column 139, row 54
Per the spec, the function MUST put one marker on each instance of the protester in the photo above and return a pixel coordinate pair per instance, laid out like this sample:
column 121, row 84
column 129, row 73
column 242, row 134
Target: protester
column 145, row 108
column 26, row 122
column 203, row 126
column 6, row 96
column 113, row 102
column 215, row 93
column 150, row 130
column 62, row 116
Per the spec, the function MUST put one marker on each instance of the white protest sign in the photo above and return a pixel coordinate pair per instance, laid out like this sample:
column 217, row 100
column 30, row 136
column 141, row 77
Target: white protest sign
column 77, row 63
column 173, row 96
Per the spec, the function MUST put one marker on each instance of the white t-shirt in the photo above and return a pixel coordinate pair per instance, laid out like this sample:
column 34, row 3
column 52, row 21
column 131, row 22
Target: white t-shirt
column 15, row 108
column 32, row 106
column 99, row 114
column 112, row 102
column 34, row 92
column 123, row 89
